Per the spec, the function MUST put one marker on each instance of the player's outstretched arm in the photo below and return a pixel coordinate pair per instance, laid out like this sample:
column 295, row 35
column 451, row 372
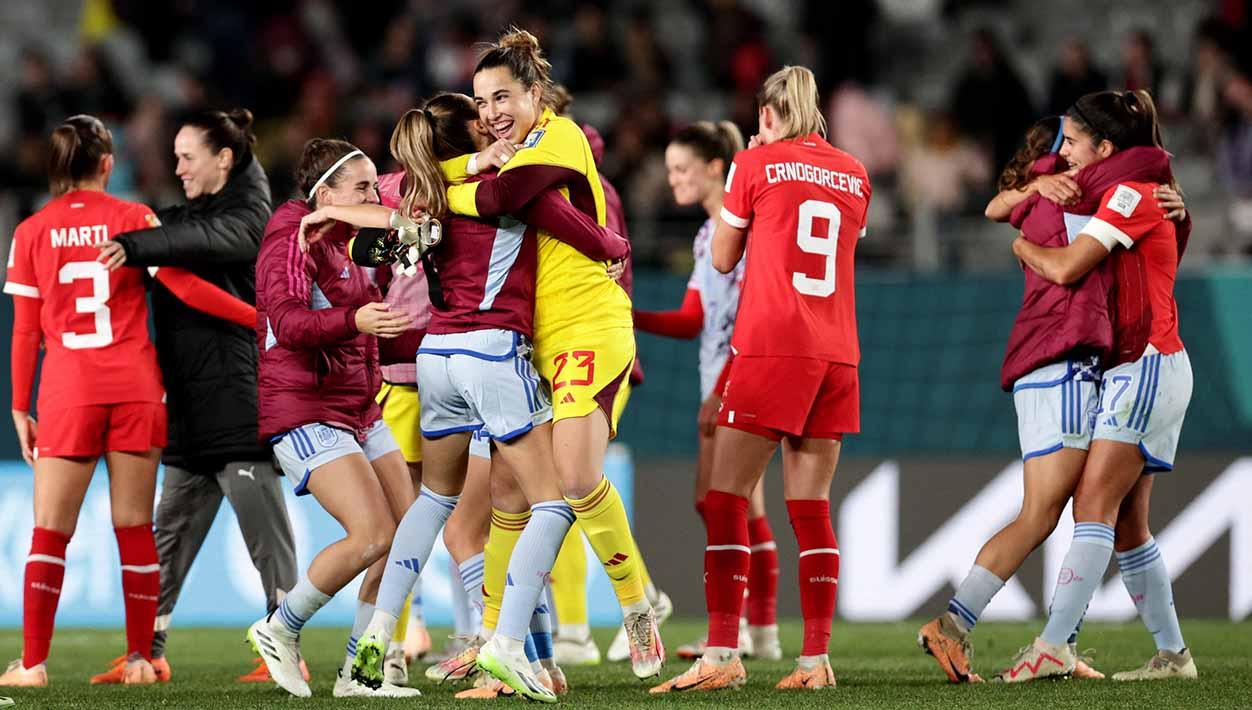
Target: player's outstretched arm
column 554, row 214
column 1062, row 265
column 685, row 323
column 205, row 297
column 509, row 192
column 230, row 236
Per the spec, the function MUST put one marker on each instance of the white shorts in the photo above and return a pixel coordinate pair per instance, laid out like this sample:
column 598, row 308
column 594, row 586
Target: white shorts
column 480, row 380
column 1056, row 406
column 480, row 445
column 301, row 450
column 1143, row 404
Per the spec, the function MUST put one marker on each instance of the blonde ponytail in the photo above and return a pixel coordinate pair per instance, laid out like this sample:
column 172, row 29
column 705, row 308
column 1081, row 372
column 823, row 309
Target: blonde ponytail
column 412, row 145
column 792, row 93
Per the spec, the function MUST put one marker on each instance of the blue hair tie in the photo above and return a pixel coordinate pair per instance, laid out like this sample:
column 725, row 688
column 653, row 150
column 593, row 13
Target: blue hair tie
column 1060, row 133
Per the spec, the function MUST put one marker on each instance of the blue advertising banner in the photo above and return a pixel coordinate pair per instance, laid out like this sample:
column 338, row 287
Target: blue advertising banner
column 223, row 588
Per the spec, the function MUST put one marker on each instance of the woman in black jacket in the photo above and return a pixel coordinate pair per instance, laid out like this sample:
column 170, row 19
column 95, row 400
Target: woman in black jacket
column 210, row 366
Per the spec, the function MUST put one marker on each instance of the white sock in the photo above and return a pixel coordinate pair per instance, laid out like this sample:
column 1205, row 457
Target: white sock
column 973, row 596
column 471, row 572
column 462, row 617
column 720, row 655
column 531, row 564
column 410, row 548
column 1081, row 574
column 415, row 607
column 808, row 663
column 300, row 604
column 1147, row 581
column 541, row 629
column 364, row 612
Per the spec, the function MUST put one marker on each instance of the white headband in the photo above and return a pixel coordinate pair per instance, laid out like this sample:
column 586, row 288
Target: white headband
column 331, row 170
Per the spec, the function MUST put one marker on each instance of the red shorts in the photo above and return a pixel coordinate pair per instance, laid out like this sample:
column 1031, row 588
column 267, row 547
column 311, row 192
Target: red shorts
column 791, row 396
column 93, row 430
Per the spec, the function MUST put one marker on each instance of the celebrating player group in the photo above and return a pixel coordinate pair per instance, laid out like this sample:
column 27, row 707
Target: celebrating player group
column 446, row 351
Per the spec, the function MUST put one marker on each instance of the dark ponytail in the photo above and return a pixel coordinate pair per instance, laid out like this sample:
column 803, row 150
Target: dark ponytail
column 711, row 141
column 77, row 145
column 226, row 129
column 1126, row 119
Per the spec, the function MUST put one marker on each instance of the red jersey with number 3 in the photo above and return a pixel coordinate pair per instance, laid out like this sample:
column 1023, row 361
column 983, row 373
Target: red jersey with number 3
column 804, row 204
column 1143, row 272
column 94, row 321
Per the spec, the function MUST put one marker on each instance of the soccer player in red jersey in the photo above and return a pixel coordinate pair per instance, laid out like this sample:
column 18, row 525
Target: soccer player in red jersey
column 1144, row 393
column 697, row 160
column 801, row 204
column 101, row 393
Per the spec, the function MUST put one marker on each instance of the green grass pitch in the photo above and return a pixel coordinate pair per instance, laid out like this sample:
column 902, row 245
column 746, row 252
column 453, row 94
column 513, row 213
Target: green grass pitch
column 878, row 666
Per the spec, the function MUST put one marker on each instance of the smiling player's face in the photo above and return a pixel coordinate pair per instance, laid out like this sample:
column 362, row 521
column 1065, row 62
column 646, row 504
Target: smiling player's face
column 505, row 106
column 1080, row 149
column 357, row 186
column 688, row 175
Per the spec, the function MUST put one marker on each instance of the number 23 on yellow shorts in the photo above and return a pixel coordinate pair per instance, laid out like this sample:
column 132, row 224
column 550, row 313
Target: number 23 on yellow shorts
column 587, row 373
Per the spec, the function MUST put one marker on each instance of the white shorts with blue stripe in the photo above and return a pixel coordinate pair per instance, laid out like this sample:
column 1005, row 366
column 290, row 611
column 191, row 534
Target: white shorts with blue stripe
column 1143, row 403
column 480, row 445
column 303, row 449
column 482, row 380
column 1056, row 405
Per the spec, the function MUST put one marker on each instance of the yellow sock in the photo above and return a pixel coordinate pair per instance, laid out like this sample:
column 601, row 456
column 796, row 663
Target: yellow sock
column 505, row 530
column 402, row 623
column 569, row 579
column 603, row 520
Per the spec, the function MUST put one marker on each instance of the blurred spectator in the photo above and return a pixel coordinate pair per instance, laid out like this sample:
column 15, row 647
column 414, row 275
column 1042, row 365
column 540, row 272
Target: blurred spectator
column 596, row 61
column 1141, row 68
column 648, row 66
column 990, row 103
column 940, row 172
column 1074, row 77
column 863, row 127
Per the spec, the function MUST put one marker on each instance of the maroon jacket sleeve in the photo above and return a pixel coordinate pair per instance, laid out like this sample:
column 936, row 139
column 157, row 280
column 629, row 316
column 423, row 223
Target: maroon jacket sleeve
column 554, row 214
column 288, row 298
column 511, row 190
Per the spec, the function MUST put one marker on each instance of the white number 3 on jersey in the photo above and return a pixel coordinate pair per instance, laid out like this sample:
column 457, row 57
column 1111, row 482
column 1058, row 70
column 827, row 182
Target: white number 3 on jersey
column 826, row 246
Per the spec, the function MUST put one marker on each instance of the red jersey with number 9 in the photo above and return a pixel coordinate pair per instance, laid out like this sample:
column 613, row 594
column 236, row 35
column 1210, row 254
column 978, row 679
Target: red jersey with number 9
column 804, row 204
column 94, row 321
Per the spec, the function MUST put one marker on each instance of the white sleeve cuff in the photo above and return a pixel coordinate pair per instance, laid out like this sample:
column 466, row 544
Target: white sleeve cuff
column 16, row 289
column 733, row 219
column 864, row 233
column 1107, row 234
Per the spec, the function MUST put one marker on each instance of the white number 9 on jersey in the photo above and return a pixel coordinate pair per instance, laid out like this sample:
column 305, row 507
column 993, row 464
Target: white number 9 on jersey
column 826, row 246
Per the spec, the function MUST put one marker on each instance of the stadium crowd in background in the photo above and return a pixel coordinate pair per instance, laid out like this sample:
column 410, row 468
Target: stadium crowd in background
column 934, row 87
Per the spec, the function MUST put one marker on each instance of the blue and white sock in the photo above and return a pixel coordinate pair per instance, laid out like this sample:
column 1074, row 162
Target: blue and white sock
column 410, row 548
column 364, row 611
column 415, row 608
column 1147, row 581
column 541, row 631
column 1080, row 577
column 531, row 565
column 471, row 572
column 462, row 618
column 973, row 596
column 300, row 604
